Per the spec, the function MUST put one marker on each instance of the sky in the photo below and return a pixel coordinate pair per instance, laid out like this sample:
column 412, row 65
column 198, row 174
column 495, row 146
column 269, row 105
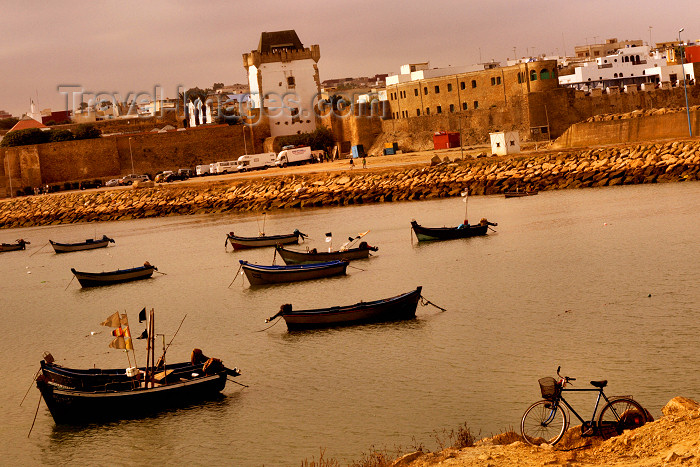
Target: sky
column 128, row 47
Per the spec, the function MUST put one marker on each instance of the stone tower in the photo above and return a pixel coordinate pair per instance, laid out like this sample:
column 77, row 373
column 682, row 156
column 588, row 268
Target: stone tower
column 284, row 81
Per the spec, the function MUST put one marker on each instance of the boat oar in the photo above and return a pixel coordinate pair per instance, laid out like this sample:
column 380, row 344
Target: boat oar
column 37, row 251
column 235, row 277
column 30, row 388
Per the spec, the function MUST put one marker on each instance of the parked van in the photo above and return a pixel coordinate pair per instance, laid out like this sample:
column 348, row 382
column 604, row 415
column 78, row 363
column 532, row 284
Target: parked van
column 225, row 167
column 256, row 161
column 203, row 170
column 291, row 155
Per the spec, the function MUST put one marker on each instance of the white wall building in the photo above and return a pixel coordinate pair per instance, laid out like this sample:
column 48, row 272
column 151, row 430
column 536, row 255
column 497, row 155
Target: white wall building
column 505, row 142
column 284, row 82
column 627, row 65
column 421, row 71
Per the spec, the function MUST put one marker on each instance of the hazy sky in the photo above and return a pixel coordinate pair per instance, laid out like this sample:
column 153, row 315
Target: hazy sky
column 131, row 46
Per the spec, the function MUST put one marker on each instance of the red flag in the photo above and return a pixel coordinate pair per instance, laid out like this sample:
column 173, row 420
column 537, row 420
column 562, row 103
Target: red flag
column 119, row 332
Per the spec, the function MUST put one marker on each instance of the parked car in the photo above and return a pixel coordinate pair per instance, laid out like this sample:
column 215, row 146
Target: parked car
column 85, row 184
column 161, row 177
column 131, row 178
column 185, row 173
column 115, row 182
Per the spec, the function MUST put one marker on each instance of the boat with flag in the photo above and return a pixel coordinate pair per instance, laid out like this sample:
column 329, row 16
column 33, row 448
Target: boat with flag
column 450, row 233
column 88, row 244
column 94, row 279
column 84, row 396
column 346, row 252
column 400, row 307
column 240, row 243
column 258, row 274
column 20, row 244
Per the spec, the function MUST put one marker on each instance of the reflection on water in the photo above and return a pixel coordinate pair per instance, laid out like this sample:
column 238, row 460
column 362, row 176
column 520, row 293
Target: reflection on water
column 600, row 281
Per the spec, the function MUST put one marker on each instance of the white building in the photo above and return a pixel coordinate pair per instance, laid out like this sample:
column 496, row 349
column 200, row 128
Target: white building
column 627, row 66
column 284, row 82
column 421, row 71
column 505, row 142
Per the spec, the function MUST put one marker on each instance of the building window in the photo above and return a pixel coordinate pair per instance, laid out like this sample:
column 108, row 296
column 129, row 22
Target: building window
column 439, row 109
column 427, row 110
column 437, row 89
column 449, row 87
column 462, row 85
column 415, row 91
column 476, row 104
column 533, row 75
column 464, row 106
column 290, row 82
column 425, row 90
column 452, row 108
column 493, row 81
column 615, row 75
column 473, row 83
column 544, row 74
column 417, row 112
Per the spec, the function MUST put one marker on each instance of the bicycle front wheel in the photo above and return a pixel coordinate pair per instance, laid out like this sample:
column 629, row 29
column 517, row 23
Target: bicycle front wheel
column 620, row 415
column 543, row 422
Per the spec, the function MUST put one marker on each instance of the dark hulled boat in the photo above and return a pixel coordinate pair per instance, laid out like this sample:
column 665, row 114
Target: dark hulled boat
column 88, row 244
column 258, row 274
column 400, row 307
column 314, row 256
column 240, row 243
column 18, row 245
column 519, row 194
column 450, row 233
column 93, row 279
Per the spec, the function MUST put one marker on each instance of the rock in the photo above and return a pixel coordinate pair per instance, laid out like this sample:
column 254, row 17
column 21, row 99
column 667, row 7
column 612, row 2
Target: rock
column 406, row 459
column 680, row 406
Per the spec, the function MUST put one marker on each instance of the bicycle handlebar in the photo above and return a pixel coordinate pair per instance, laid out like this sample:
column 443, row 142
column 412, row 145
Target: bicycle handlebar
column 565, row 379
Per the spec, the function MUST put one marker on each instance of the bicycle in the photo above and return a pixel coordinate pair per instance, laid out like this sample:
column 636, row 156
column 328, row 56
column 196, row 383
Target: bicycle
column 547, row 420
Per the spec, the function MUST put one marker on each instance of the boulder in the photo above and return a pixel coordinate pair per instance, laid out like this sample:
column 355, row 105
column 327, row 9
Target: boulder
column 680, row 406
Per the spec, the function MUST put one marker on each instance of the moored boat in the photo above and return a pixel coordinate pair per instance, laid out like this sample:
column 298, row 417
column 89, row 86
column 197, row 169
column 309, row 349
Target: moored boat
column 519, row 194
column 258, row 274
column 93, row 279
column 313, row 256
column 450, row 233
column 89, row 244
column 400, row 307
column 19, row 244
column 240, row 243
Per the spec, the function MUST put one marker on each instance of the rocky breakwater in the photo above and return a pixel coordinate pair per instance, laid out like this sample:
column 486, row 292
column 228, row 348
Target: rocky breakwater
column 605, row 166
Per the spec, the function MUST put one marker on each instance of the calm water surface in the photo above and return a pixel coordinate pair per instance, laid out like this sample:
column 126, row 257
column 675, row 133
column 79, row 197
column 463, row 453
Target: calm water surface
column 605, row 282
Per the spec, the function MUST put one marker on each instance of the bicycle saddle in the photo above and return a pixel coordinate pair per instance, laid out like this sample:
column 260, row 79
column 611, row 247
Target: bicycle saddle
column 600, row 384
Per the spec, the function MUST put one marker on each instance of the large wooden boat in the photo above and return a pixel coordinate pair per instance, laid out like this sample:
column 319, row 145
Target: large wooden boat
column 18, row 245
column 240, row 243
column 89, row 244
column 258, row 274
column 93, row 279
column 519, row 194
column 314, row 256
column 450, row 233
column 400, row 307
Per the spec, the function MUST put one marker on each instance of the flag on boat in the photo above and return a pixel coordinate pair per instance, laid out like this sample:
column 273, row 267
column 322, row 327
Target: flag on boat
column 125, row 320
column 144, row 335
column 118, row 343
column 118, row 332
column 113, row 321
column 142, row 315
column 329, row 237
column 127, row 339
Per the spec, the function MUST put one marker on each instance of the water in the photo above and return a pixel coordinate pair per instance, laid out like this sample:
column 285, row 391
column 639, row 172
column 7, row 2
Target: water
column 603, row 282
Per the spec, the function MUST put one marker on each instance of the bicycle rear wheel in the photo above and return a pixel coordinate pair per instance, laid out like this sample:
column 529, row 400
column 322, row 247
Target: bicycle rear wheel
column 620, row 415
column 543, row 422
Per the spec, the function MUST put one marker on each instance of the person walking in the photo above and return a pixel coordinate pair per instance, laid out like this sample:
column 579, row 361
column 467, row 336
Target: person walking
column 364, row 162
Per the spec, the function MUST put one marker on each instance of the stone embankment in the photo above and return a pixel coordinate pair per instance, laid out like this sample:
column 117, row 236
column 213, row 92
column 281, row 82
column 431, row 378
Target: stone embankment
column 605, row 166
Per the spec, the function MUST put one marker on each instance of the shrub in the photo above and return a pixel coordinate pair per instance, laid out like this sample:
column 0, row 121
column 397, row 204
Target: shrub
column 87, row 131
column 25, row 137
column 60, row 135
column 321, row 138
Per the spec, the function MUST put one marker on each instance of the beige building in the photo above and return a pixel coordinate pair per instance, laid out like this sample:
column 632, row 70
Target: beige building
column 601, row 50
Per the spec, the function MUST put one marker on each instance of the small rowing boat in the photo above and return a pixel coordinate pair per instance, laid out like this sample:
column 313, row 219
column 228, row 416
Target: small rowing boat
column 259, row 274
column 240, row 243
column 89, row 244
column 18, row 245
column 450, row 233
column 400, row 307
column 314, row 256
column 93, row 279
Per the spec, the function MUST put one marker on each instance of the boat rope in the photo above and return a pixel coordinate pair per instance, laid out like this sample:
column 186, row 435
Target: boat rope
column 240, row 384
column 37, row 251
column 236, row 276
column 276, row 321
column 274, row 258
column 493, row 230
column 160, row 272
column 35, row 414
column 30, row 386
column 354, row 267
column 71, row 281
column 425, row 302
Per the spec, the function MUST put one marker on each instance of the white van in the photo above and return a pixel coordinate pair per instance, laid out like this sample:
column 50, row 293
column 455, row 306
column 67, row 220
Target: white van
column 256, row 161
column 291, row 156
column 203, row 169
column 225, row 167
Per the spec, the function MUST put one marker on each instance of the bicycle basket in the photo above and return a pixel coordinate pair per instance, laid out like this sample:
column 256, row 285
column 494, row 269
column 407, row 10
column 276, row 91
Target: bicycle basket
column 549, row 387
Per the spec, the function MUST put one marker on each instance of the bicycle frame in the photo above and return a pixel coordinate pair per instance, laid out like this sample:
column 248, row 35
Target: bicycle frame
column 572, row 410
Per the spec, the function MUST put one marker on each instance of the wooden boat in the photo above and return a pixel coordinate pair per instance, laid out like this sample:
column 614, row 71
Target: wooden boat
column 314, row 256
column 396, row 308
column 258, row 274
column 519, row 194
column 19, row 245
column 240, row 243
column 92, row 279
column 89, row 244
column 450, row 233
